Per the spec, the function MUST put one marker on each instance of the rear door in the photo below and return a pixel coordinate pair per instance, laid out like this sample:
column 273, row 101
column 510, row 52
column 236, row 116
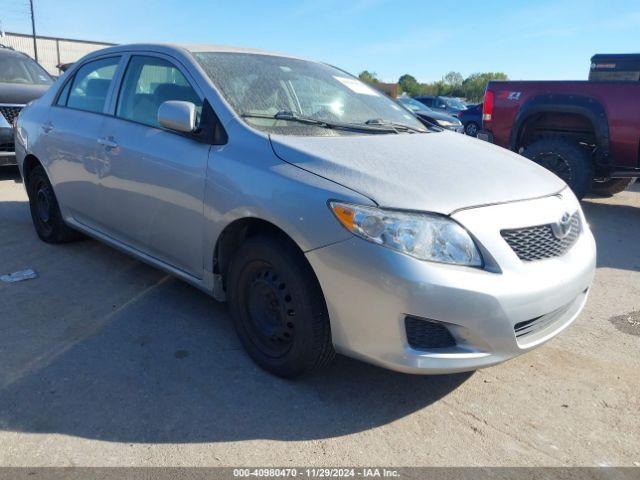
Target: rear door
column 154, row 185
column 72, row 128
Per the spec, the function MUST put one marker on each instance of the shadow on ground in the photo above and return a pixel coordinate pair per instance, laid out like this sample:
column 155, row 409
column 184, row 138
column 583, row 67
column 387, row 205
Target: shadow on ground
column 10, row 173
column 616, row 228
column 168, row 368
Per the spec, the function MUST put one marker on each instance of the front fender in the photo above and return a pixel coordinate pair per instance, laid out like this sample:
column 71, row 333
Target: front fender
column 245, row 179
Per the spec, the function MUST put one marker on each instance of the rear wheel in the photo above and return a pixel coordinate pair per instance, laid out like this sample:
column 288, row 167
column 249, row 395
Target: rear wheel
column 278, row 308
column 567, row 159
column 45, row 211
column 611, row 186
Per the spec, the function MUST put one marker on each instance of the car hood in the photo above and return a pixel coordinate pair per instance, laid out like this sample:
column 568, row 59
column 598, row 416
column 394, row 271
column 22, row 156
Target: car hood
column 439, row 172
column 20, row 94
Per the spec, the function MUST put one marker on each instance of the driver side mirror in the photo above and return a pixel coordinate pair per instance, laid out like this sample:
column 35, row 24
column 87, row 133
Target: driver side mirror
column 178, row 116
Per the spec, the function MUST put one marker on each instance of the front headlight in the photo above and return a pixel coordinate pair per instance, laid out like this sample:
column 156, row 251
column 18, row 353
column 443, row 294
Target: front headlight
column 422, row 235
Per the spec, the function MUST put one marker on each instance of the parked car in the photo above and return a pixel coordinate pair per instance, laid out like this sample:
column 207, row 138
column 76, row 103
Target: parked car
column 327, row 217
column 21, row 80
column 471, row 118
column 435, row 118
column 442, row 104
column 585, row 132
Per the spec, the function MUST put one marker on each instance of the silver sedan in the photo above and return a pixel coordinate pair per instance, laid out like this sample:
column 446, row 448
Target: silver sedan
column 329, row 218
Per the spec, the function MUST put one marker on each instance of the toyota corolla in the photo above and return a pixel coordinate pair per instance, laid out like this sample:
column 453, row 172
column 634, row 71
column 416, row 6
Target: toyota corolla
column 329, row 218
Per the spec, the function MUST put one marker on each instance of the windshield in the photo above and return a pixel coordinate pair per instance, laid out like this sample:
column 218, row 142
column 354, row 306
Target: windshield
column 455, row 103
column 19, row 69
column 262, row 87
column 412, row 104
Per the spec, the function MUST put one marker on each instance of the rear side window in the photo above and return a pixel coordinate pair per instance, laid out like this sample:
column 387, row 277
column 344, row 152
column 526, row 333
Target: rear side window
column 148, row 82
column 90, row 85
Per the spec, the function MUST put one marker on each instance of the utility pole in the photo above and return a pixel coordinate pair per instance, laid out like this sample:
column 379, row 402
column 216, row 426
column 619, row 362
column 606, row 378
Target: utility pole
column 33, row 28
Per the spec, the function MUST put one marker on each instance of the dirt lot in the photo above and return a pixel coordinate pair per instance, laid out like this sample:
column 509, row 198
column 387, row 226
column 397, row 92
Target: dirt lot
column 105, row 361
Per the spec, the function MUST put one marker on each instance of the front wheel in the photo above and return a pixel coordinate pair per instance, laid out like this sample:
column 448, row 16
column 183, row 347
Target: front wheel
column 612, row 186
column 567, row 159
column 278, row 308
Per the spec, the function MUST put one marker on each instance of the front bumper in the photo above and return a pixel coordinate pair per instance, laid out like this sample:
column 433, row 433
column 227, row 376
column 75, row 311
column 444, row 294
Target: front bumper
column 7, row 148
column 370, row 290
column 454, row 128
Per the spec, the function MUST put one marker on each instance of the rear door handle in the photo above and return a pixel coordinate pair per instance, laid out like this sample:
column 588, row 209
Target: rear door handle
column 108, row 143
column 47, row 127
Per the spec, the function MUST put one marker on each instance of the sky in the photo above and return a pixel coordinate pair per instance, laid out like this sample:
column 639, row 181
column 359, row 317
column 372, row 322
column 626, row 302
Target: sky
column 527, row 40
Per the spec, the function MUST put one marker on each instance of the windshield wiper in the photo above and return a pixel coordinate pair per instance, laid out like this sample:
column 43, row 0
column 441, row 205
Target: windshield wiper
column 397, row 126
column 292, row 117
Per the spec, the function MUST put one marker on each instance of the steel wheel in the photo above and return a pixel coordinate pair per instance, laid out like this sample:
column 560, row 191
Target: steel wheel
column 270, row 309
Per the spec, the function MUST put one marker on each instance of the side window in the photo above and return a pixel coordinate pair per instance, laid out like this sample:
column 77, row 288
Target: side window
column 90, row 85
column 148, row 82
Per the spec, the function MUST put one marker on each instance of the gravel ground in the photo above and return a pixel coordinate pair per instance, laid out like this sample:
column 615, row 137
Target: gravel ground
column 105, row 361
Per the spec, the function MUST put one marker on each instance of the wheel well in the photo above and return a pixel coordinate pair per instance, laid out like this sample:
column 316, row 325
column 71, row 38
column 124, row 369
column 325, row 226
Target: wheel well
column 236, row 233
column 30, row 162
column 573, row 125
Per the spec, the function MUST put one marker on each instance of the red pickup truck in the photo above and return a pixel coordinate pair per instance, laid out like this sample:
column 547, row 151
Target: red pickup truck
column 586, row 132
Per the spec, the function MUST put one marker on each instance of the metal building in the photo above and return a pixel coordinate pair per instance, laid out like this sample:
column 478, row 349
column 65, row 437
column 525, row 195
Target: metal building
column 52, row 51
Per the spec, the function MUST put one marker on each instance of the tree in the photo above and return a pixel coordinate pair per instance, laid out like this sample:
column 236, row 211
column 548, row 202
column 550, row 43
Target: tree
column 474, row 85
column 454, row 79
column 410, row 85
column 368, row 77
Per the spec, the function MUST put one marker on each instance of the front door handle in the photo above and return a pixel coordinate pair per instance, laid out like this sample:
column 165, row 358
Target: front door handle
column 108, row 143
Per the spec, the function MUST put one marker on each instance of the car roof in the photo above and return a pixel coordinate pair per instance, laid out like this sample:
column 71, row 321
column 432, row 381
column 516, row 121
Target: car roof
column 5, row 50
column 191, row 48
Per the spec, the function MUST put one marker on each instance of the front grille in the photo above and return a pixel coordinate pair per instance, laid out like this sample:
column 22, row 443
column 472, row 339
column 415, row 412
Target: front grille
column 539, row 242
column 426, row 335
column 7, row 147
column 10, row 112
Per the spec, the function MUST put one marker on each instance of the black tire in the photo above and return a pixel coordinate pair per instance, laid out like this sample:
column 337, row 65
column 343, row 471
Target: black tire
column 277, row 307
column 567, row 159
column 612, row 186
column 471, row 129
column 45, row 211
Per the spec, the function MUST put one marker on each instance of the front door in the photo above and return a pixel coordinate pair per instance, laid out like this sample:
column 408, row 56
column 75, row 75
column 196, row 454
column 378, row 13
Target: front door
column 154, row 179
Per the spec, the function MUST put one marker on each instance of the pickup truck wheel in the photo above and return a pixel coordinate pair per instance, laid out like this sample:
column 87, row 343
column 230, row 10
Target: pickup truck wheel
column 471, row 129
column 567, row 159
column 278, row 308
column 612, row 186
column 45, row 211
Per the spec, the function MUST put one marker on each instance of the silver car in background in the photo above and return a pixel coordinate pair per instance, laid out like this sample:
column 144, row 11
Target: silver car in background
column 328, row 217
